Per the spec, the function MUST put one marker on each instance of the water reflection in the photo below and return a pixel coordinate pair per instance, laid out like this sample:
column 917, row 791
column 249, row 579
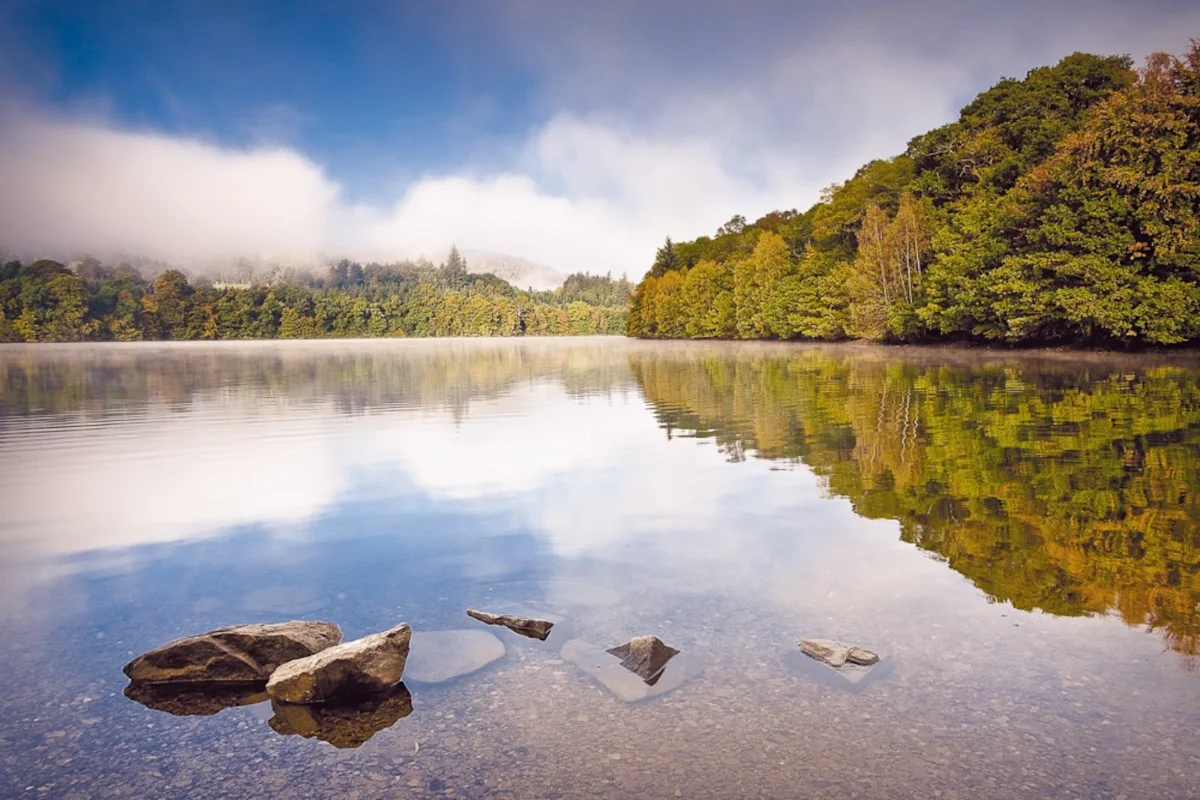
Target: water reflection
column 149, row 493
column 1056, row 485
column 343, row 725
column 195, row 700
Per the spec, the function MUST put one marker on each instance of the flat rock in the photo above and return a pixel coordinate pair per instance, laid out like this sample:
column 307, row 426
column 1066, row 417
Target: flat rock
column 610, row 670
column 370, row 665
column 439, row 656
column 343, row 725
column 644, row 656
column 862, row 657
column 236, row 654
column 195, row 700
column 533, row 628
column 850, row 677
column 832, row 653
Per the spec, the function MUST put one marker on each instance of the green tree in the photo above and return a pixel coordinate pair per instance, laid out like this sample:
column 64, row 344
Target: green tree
column 665, row 260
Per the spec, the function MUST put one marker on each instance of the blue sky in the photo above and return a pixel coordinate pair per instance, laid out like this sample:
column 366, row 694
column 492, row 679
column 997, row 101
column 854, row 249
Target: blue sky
column 377, row 91
column 576, row 134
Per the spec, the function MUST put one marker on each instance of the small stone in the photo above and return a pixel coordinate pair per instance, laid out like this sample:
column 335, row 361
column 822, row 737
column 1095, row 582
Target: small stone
column 862, row 657
column 832, row 653
column 644, row 656
column 236, row 654
column 533, row 628
column 610, row 670
column 372, row 664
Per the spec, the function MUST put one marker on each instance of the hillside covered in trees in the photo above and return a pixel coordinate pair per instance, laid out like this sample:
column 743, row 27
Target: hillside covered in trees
column 1061, row 208
column 47, row 302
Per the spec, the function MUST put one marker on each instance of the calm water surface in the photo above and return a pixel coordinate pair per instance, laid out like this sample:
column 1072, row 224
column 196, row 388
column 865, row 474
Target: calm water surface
column 1017, row 536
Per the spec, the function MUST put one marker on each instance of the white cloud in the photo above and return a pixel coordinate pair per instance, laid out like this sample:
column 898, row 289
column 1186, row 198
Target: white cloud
column 82, row 186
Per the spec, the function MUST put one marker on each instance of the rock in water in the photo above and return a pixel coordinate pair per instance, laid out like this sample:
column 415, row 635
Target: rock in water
column 862, row 657
column 832, row 653
column 343, row 725
column 236, row 654
column 628, row 686
column 533, row 628
column 370, row 665
column 644, row 656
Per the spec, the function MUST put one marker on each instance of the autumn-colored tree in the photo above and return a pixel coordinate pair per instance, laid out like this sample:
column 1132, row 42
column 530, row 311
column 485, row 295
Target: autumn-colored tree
column 707, row 302
column 1061, row 207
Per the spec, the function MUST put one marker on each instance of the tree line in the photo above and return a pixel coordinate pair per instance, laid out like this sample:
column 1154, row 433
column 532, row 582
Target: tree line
column 45, row 301
column 1061, row 208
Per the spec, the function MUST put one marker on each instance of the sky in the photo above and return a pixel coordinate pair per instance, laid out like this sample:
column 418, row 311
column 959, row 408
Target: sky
column 578, row 135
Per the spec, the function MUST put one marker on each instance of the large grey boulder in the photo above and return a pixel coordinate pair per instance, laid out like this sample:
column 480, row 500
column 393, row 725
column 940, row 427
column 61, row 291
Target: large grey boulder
column 533, row 628
column 236, row 654
column 370, row 665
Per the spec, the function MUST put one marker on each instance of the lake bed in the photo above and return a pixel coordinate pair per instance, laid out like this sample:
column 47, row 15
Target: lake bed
column 1017, row 536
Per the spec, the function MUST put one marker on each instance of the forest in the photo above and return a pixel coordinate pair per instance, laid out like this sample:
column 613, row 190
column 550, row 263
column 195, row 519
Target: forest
column 45, row 301
column 1066, row 487
column 1061, row 209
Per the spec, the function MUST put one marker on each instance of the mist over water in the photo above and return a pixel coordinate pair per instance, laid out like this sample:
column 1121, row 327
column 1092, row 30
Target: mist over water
column 1016, row 536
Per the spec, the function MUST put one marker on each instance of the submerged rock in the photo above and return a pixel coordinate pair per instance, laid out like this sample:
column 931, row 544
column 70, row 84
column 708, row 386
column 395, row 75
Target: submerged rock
column 849, row 677
column 343, row 725
column 832, row 653
column 861, row 656
column 610, row 670
column 533, row 628
column 370, row 665
column 644, row 656
column 439, row 656
column 236, row 654
column 836, row 654
column 194, row 700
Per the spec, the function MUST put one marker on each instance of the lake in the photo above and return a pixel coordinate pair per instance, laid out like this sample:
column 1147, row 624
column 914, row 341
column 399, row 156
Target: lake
column 1016, row 535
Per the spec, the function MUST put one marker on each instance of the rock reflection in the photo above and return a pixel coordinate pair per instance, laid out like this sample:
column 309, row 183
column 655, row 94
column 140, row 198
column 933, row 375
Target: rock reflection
column 195, row 700
column 343, row 725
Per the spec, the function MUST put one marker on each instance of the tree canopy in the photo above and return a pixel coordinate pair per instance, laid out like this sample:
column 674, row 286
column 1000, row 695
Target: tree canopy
column 1060, row 208
column 47, row 302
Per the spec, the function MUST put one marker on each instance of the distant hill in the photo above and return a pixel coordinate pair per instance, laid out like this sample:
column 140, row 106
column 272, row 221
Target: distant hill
column 520, row 272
